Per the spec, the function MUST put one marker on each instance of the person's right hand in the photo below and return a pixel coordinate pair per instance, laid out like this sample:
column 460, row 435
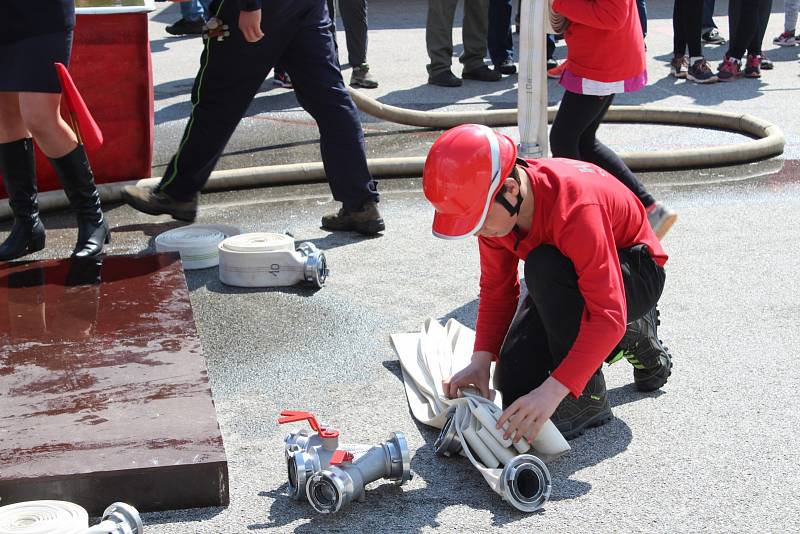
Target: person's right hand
column 250, row 25
column 475, row 374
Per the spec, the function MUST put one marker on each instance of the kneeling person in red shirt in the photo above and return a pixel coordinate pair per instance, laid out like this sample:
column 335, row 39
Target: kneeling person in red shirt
column 593, row 270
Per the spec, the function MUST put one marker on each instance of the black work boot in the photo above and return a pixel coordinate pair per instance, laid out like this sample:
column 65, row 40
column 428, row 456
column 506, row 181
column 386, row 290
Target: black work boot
column 362, row 78
column 156, row 202
column 573, row 416
column 77, row 179
column 652, row 362
column 18, row 167
column 367, row 221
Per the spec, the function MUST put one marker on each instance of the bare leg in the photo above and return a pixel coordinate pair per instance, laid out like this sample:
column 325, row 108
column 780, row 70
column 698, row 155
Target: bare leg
column 11, row 126
column 42, row 117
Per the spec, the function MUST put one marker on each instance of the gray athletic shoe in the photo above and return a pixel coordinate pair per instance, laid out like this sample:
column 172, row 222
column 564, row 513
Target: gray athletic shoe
column 362, row 78
column 661, row 219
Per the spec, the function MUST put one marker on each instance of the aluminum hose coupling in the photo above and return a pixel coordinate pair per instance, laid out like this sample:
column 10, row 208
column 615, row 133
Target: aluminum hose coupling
column 331, row 489
column 270, row 260
column 329, row 477
column 63, row 517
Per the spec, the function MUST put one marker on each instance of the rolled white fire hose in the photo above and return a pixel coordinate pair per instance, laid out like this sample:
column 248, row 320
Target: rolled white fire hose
column 263, row 259
column 437, row 352
column 62, row 517
column 197, row 244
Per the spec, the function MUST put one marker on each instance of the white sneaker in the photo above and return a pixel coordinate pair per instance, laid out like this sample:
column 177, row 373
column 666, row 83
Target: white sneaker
column 785, row 39
column 661, row 219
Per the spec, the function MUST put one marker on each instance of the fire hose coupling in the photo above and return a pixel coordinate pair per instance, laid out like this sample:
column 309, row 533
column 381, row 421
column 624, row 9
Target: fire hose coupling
column 331, row 489
column 330, row 477
column 270, row 260
column 62, row 517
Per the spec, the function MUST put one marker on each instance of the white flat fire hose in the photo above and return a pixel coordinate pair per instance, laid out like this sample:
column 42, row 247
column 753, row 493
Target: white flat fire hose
column 62, row 517
column 270, row 260
column 513, row 470
column 197, row 244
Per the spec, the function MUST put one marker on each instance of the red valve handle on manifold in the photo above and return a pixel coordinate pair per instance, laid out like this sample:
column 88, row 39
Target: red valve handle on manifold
column 339, row 456
column 292, row 416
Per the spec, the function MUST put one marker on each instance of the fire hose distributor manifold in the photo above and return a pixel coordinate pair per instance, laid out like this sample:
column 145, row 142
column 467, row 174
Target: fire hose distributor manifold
column 62, row 517
column 329, row 477
column 270, row 260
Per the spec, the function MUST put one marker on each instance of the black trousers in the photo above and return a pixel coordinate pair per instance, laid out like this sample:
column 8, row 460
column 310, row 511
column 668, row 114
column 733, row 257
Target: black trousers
column 747, row 25
column 687, row 27
column 354, row 18
column 231, row 72
column 547, row 320
column 573, row 136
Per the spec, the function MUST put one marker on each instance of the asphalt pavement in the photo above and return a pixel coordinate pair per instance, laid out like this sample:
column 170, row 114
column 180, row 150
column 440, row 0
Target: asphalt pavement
column 714, row 450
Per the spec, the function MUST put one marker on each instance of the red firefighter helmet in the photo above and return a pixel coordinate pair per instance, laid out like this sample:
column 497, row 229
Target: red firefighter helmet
column 463, row 172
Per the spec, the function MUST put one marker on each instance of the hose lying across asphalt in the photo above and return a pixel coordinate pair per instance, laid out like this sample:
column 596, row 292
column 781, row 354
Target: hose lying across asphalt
column 768, row 142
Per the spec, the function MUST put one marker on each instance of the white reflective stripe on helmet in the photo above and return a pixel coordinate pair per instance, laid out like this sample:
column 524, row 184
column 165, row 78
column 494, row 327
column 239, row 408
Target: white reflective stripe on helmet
column 494, row 150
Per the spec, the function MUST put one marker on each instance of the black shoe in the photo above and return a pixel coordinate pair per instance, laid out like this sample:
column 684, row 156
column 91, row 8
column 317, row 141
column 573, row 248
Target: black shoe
column 506, row 67
column 573, row 416
column 155, row 202
column 712, row 36
column 482, row 74
column 18, row 167
column 186, row 27
column 368, row 221
column 75, row 174
column 551, row 63
column 445, row 79
column 652, row 362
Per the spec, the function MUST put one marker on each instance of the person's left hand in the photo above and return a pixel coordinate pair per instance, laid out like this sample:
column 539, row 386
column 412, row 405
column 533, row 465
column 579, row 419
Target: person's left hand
column 527, row 414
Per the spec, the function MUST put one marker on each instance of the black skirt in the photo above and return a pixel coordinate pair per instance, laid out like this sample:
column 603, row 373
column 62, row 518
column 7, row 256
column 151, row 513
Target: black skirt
column 39, row 35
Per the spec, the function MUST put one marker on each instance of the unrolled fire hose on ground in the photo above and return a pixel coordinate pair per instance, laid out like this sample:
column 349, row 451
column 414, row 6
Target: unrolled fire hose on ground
column 769, row 142
column 516, row 471
column 330, row 475
column 61, row 517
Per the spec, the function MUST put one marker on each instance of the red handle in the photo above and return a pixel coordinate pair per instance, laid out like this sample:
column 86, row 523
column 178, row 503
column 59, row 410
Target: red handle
column 292, row 416
column 339, row 456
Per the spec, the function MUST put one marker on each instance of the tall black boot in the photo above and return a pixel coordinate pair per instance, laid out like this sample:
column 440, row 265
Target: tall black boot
column 18, row 168
column 76, row 176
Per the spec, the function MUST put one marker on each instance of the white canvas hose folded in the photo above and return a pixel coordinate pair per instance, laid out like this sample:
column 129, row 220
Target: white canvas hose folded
column 197, row 244
column 262, row 259
column 62, row 517
column 513, row 470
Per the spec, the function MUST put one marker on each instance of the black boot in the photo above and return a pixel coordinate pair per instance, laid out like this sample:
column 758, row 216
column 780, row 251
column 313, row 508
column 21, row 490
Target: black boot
column 573, row 416
column 18, row 168
column 651, row 360
column 76, row 176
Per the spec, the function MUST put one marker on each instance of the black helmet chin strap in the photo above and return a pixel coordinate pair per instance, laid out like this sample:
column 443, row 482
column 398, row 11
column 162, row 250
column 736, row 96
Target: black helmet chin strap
column 513, row 210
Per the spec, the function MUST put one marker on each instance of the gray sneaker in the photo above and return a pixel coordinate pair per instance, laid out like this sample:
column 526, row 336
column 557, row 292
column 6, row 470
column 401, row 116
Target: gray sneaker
column 154, row 202
column 661, row 219
column 362, row 78
column 368, row 221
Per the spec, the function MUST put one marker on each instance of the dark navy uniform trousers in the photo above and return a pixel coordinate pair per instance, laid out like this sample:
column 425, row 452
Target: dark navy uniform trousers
column 231, row 72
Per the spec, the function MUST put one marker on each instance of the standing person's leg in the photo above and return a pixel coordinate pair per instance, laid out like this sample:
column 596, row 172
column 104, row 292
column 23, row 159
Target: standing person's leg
column 573, row 136
column 354, row 16
column 710, row 34
column 474, row 31
column 698, row 70
column 439, row 42
column 501, row 45
column 743, row 19
column 18, row 167
column 231, row 71
column 311, row 61
column 679, row 64
column 788, row 37
column 192, row 18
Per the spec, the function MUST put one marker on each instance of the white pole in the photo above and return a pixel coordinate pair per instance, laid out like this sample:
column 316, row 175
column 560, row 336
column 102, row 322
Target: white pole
column 532, row 82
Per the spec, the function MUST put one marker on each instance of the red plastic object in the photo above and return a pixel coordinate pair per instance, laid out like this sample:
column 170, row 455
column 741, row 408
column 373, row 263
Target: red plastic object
column 292, row 416
column 80, row 118
column 111, row 67
column 339, row 457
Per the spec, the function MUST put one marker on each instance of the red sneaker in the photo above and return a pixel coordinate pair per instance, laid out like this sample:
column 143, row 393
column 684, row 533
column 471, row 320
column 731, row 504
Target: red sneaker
column 729, row 70
column 753, row 67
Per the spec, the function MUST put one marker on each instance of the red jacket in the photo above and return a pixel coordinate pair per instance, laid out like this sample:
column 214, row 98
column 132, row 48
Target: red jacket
column 587, row 214
column 604, row 39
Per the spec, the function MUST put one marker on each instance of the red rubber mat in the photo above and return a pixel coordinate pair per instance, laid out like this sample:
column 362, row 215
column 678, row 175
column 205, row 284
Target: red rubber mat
column 104, row 391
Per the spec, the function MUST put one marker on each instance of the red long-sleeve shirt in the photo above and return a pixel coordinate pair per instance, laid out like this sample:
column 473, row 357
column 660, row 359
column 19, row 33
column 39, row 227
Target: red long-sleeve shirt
column 588, row 215
column 604, row 39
